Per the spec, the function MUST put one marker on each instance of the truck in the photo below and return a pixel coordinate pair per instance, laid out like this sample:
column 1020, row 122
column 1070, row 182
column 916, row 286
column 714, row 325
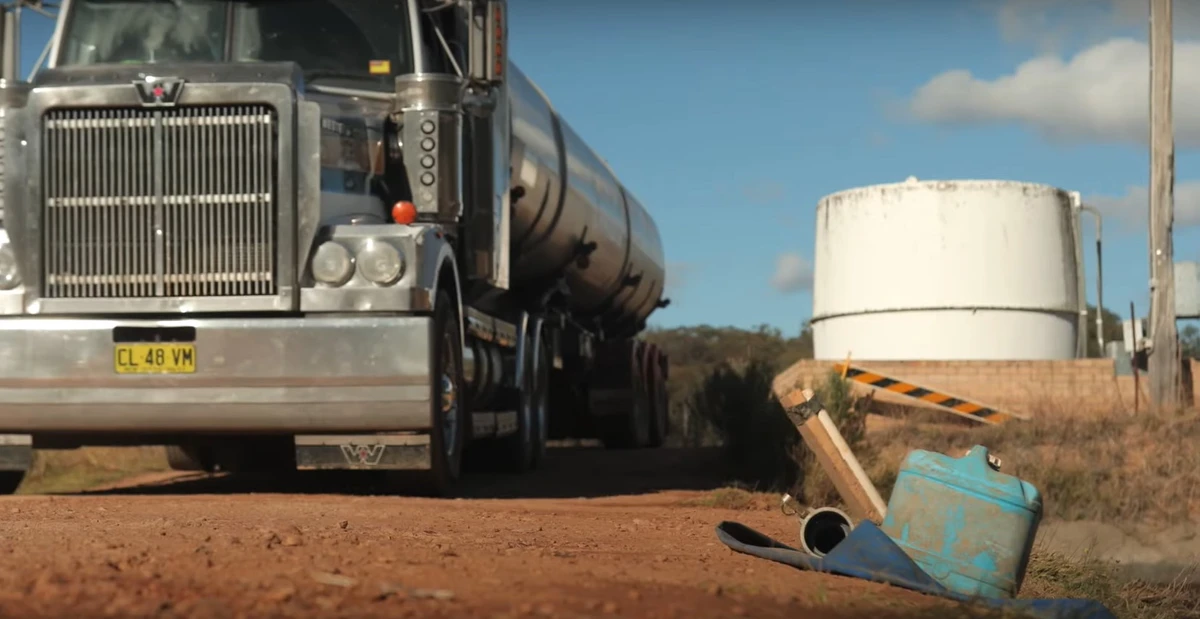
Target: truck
column 312, row 234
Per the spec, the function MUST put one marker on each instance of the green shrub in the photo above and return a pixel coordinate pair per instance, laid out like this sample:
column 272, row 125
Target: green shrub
column 759, row 441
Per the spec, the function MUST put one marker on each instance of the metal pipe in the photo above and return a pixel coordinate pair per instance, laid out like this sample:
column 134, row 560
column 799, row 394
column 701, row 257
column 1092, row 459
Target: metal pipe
column 822, row 529
column 16, row 51
column 1133, row 358
column 1099, row 274
column 1076, row 203
column 12, row 36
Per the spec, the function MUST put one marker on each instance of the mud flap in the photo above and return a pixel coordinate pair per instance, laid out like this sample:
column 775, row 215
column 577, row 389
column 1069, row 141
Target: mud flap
column 369, row 452
column 16, row 452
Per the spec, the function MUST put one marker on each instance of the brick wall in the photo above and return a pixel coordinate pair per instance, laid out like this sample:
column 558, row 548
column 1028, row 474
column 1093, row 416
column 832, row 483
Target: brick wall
column 1085, row 386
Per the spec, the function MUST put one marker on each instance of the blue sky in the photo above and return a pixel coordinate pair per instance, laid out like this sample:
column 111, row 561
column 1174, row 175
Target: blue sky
column 731, row 124
column 731, row 120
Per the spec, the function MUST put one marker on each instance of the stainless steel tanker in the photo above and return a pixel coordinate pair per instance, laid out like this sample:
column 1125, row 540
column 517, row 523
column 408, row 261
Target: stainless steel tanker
column 553, row 225
column 385, row 251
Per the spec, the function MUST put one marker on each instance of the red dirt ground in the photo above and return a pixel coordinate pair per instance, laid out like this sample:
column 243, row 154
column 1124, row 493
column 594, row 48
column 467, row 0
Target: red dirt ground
column 315, row 547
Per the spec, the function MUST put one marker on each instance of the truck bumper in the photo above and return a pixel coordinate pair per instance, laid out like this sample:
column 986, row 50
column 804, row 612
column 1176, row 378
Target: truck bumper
column 277, row 375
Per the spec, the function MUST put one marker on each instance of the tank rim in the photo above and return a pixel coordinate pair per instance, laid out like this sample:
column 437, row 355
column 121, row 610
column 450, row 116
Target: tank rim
column 966, row 183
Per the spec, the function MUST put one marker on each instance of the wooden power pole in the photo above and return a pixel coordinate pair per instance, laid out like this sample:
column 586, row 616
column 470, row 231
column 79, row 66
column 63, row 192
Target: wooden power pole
column 1164, row 356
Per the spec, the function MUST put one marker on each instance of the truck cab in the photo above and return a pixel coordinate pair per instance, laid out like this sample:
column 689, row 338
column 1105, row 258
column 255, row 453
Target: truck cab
column 277, row 234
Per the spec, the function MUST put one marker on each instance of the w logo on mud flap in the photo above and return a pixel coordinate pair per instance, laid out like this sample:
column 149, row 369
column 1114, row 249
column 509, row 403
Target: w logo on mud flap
column 158, row 91
column 368, row 455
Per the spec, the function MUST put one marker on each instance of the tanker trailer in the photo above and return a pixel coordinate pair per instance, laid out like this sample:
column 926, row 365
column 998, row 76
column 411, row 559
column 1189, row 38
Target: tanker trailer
column 382, row 252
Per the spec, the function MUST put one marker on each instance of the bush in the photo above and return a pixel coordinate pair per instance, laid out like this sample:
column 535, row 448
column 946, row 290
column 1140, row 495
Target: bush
column 762, row 446
column 759, row 441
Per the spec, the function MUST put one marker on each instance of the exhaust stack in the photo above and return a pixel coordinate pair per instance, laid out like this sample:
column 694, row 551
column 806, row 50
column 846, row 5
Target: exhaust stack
column 11, row 37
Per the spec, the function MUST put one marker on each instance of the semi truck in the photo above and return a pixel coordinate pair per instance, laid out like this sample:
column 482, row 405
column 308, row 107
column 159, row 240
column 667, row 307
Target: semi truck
column 313, row 234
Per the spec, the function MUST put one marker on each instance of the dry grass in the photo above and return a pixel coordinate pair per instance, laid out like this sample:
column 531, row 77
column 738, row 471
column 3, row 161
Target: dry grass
column 1054, row 575
column 735, row 498
column 1051, row 575
column 80, row 469
column 1089, row 465
column 1103, row 467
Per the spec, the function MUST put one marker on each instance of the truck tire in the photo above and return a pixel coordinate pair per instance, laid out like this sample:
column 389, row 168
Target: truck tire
column 541, row 402
column 660, row 410
column 448, row 413
column 10, row 481
column 515, row 452
column 630, row 430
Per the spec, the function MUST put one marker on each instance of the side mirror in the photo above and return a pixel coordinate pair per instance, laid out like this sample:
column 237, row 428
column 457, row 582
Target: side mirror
column 489, row 41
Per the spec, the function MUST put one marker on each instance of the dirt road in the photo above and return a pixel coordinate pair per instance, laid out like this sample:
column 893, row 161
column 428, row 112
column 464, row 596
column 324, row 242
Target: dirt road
column 315, row 547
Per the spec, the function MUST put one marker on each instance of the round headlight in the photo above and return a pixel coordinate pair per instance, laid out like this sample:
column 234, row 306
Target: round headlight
column 9, row 276
column 332, row 264
column 381, row 263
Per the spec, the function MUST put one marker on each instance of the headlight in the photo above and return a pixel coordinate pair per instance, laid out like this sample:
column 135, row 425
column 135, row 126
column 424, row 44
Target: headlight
column 380, row 263
column 10, row 278
column 332, row 264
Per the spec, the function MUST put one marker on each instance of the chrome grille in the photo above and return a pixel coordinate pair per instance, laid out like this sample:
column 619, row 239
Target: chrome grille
column 159, row 203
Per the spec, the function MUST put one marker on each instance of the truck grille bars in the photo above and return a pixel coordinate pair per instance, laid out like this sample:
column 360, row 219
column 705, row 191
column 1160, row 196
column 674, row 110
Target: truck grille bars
column 177, row 202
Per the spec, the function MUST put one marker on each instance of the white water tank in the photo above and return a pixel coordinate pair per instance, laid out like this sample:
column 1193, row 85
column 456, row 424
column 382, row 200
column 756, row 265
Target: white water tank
column 948, row 270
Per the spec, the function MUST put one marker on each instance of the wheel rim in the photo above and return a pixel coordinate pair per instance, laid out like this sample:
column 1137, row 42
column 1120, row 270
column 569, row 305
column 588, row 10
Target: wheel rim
column 449, row 387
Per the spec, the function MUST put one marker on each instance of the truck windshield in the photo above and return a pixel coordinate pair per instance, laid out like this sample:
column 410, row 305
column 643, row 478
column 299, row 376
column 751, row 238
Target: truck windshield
column 360, row 43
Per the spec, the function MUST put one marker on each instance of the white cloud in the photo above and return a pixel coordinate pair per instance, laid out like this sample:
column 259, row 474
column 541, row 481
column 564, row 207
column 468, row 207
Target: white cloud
column 1132, row 207
column 1099, row 94
column 793, row 273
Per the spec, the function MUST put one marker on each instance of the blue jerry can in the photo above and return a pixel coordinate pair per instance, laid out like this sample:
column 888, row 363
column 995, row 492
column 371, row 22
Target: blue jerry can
column 968, row 525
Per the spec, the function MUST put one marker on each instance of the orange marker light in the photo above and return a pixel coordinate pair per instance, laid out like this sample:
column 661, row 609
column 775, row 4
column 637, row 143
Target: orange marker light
column 404, row 213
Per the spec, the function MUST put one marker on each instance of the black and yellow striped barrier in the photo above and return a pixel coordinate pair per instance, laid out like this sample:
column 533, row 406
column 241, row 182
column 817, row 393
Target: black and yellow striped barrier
column 952, row 404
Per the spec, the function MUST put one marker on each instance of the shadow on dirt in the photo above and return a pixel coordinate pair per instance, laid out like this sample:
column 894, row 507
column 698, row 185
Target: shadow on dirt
column 566, row 472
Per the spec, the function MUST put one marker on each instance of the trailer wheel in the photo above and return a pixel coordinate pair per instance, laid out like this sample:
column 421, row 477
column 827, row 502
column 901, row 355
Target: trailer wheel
column 10, row 481
column 447, row 411
column 630, row 430
column 541, row 402
column 660, row 409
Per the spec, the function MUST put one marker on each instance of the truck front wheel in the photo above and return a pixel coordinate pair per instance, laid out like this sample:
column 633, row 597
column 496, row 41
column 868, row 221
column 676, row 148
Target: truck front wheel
column 447, row 408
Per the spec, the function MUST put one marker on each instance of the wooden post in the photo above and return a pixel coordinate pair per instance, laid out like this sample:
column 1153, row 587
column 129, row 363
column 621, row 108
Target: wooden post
column 1163, row 364
column 834, row 455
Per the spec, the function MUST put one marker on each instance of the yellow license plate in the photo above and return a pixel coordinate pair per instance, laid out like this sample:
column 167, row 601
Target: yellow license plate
column 155, row 358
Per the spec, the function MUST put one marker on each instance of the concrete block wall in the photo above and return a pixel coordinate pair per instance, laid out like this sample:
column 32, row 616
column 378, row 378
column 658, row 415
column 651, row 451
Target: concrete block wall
column 1083, row 386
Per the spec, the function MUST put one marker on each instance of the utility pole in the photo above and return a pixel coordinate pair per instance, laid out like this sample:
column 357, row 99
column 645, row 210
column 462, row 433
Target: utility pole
column 1164, row 356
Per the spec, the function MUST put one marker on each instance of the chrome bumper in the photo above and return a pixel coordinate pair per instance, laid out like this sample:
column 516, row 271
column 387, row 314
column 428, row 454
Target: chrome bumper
column 286, row 375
